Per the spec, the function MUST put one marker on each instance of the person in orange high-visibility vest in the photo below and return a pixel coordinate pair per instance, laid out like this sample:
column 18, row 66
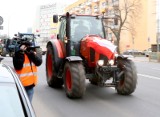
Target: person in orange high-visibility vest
column 25, row 63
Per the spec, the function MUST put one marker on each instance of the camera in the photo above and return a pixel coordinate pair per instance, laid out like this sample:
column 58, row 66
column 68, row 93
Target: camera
column 27, row 39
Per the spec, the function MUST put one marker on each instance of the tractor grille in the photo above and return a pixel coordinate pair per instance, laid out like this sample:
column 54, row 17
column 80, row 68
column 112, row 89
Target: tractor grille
column 92, row 54
column 102, row 57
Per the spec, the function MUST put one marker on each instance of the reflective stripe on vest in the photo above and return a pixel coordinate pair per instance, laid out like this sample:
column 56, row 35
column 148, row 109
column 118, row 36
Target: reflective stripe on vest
column 28, row 74
column 28, row 64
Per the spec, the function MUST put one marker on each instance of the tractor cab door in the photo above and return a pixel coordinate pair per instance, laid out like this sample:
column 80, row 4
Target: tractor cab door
column 69, row 46
column 62, row 35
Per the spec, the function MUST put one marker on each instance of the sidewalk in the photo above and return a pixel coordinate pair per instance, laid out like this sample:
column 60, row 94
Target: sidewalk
column 138, row 58
column 141, row 59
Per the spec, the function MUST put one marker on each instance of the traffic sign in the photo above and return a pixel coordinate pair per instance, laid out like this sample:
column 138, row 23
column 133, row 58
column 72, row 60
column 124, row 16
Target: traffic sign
column 1, row 27
column 1, row 20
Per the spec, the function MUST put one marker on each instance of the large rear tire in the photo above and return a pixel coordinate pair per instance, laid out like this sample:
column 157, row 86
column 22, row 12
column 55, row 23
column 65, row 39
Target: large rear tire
column 52, row 79
column 74, row 77
column 127, row 84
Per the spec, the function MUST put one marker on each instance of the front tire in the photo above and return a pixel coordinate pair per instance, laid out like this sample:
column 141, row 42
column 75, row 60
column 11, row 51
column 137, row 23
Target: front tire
column 128, row 82
column 52, row 79
column 74, row 77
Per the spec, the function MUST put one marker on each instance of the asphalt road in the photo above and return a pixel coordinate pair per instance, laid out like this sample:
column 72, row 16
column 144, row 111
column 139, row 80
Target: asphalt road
column 101, row 102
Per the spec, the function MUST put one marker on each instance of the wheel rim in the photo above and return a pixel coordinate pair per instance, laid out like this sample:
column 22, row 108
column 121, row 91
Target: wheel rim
column 68, row 79
column 49, row 65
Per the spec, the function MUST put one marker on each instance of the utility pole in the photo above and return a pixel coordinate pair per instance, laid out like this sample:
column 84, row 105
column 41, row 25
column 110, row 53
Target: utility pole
column 8, row 25
column 133, row 46
column 157, row 36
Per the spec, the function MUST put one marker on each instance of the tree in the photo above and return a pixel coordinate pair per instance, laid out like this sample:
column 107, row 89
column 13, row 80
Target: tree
column 125, row 15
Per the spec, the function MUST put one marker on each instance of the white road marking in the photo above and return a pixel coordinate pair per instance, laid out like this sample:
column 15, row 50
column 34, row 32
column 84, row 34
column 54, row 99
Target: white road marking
column 148, row 76
column 112, row 88
column 155, row 68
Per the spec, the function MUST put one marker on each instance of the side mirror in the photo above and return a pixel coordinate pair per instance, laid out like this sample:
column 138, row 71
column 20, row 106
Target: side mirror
column 65, row 40
column 57, row 36
column 55, row 18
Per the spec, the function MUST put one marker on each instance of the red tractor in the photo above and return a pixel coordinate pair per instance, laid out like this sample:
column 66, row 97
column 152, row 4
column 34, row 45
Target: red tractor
column 81, row 51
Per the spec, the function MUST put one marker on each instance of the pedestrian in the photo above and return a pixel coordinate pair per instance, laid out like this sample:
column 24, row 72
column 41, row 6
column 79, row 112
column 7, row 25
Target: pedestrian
column 25, row 62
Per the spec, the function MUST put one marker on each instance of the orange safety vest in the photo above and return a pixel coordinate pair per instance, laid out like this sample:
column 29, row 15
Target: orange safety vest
column 28, row 74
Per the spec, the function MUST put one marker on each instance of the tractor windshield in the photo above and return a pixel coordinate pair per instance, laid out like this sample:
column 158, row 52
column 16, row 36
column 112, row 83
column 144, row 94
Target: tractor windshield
column 83, row 25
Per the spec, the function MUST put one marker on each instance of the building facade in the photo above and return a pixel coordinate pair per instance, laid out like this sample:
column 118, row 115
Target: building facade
column 44, row 20
column 145, row 28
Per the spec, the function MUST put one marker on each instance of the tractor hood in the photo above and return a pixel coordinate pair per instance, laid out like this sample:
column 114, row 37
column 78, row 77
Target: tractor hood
column 100, row 45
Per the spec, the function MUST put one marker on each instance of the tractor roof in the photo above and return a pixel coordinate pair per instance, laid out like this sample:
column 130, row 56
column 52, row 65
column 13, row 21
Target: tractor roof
column 76, row 14
column 81, row 15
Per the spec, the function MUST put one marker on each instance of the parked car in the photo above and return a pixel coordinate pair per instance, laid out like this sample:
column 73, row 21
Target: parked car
column 132, row 52
column 3, row 44
column 147, row 52
column 14, row 100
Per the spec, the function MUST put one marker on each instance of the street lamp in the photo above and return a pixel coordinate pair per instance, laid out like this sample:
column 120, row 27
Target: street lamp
column 158, row 34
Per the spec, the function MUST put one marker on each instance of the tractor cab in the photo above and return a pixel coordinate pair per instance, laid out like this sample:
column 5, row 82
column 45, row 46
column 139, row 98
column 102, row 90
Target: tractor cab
column 73, row 28
column 86, row 25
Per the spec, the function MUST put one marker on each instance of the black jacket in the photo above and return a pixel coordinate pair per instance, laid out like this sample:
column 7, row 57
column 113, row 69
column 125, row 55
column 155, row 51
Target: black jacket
column 18, row 59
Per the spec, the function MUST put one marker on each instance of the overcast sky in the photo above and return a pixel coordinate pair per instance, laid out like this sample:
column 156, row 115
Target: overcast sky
column 20, row 14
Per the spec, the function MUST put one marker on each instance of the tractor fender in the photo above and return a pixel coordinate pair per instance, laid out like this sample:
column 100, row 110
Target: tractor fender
column 74, row 58
column 58, row 53
column 57, row 47
column 121, row 57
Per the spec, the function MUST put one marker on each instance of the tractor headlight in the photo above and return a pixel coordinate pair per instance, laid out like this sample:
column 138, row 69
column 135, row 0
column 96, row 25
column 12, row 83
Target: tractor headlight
column 100, row 62
column 116, row 55
column 111, row 62
column 65, row 41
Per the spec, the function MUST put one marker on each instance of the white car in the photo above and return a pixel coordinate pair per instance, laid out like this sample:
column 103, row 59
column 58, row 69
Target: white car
column 42, row 43
column 14, row 100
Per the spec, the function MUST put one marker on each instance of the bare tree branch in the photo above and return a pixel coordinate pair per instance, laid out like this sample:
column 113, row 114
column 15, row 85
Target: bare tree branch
column 127, row 16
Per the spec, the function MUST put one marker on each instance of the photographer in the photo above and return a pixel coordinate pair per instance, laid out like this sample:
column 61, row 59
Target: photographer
column 25, row 63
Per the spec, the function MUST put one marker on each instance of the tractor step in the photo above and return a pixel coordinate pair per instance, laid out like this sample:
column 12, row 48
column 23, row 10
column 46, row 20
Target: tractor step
column 109, row 85
column 106, row 85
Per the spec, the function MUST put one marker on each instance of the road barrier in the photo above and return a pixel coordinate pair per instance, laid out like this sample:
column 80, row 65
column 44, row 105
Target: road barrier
column 154, row 57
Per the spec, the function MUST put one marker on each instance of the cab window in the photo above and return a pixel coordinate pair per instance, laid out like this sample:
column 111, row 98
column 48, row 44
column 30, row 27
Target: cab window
column 62, row 30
